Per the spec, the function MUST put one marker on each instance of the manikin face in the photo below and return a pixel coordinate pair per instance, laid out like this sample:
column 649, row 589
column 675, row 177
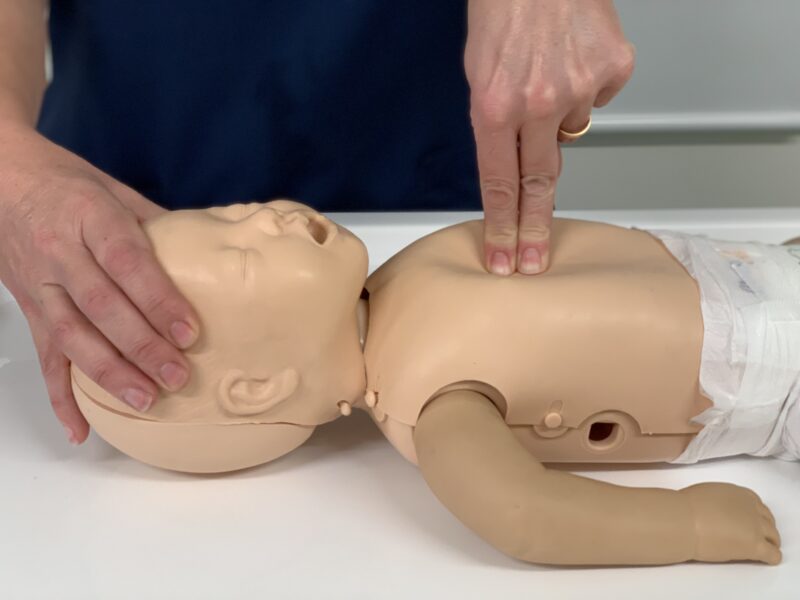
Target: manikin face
column 276, row 286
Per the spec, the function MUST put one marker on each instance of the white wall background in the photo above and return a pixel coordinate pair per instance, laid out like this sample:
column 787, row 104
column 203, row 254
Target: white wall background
column 711, row 117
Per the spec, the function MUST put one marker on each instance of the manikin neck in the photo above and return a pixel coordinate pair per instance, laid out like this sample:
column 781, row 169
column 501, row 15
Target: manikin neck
column 362, row 318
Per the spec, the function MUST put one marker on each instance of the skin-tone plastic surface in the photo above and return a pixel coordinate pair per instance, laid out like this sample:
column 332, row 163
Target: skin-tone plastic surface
column 277, row 289
column 596, row 360
column 476, row 378
column 481, row 472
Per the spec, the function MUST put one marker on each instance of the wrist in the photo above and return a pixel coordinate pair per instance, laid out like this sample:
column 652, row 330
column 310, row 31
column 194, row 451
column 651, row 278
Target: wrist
column 16, row 139
column 14, row 124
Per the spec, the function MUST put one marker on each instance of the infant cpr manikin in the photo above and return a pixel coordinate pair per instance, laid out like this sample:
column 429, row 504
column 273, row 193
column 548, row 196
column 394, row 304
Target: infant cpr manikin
column 476, row 378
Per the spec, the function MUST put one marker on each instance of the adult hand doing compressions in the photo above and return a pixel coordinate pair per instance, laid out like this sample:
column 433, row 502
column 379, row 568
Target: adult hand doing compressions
column 535, row 68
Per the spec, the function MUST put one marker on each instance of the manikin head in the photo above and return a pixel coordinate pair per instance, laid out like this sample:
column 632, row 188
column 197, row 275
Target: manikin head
column 276, row 286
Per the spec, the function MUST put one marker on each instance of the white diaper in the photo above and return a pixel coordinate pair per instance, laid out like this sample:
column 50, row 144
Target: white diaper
column 750, row 366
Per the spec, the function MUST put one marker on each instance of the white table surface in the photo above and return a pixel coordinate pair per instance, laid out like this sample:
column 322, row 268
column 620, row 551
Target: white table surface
column 344, row 516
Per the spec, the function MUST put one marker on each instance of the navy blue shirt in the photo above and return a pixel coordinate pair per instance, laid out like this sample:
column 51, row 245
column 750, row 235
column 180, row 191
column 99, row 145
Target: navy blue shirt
column 342, row 104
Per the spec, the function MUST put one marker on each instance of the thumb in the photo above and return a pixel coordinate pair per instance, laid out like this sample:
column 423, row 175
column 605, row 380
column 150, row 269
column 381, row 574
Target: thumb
column 55, row 368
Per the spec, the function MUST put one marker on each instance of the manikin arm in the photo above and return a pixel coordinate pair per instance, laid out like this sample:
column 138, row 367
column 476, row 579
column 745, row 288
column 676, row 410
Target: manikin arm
column 477, row 468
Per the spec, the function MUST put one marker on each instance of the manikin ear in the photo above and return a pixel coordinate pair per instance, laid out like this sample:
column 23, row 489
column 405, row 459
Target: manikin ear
column 243, row 396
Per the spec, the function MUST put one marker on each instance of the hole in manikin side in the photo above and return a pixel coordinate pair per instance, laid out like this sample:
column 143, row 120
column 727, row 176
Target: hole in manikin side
column 601, row 431
column 605, row 436
column 606, row 432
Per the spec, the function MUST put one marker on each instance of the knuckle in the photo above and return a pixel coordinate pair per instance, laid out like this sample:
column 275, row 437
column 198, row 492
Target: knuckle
column 156, row 304
column 541, row 101
column 26, row 305
column 501, row 230
column 122, row 258
column 63, row 331
column 144, row 350
column 583, row 85
column 502, row 235
column 60, row 401
column 585, row 89
column 52, row 365
column 83, row 195
column 499, row 195
column 96, row 300
column 625, row 62
column 539, row 188
column 534, row 231
column 101, row 371
column 492, row 107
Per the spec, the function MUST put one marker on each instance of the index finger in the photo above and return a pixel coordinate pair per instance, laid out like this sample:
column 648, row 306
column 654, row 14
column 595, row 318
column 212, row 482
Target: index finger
column 499, row 179
column 121, row 248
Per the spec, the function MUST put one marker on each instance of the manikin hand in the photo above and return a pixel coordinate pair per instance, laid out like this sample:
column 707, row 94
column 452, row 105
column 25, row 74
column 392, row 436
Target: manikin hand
column 731, row 523
column 74, row 256
column 534, row 66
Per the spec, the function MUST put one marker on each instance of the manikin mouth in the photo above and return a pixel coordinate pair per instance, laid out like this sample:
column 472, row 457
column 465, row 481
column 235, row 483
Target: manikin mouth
column 319, row 229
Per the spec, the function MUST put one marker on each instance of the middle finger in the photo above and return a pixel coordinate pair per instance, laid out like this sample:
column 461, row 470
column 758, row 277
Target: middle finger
column 540, row 159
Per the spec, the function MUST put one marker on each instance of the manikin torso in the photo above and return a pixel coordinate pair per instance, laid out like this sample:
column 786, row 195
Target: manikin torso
column 596, row 360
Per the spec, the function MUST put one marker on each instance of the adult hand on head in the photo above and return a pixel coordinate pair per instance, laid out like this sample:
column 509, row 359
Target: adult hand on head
column 534, row 67
column 73, row 254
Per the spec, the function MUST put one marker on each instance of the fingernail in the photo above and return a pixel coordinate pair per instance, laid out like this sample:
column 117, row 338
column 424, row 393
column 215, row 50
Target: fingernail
column 70, row 435
column 500, row 264
column 138, row 399
column 174, row 376
column 183, row 334
column 531, row 262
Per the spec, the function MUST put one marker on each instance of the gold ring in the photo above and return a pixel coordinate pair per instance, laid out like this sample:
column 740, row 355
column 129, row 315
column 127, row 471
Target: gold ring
column 571, row 136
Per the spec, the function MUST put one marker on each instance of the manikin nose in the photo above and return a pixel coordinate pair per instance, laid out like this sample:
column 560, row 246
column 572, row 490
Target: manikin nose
column 264, row 219
column 276, row 222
